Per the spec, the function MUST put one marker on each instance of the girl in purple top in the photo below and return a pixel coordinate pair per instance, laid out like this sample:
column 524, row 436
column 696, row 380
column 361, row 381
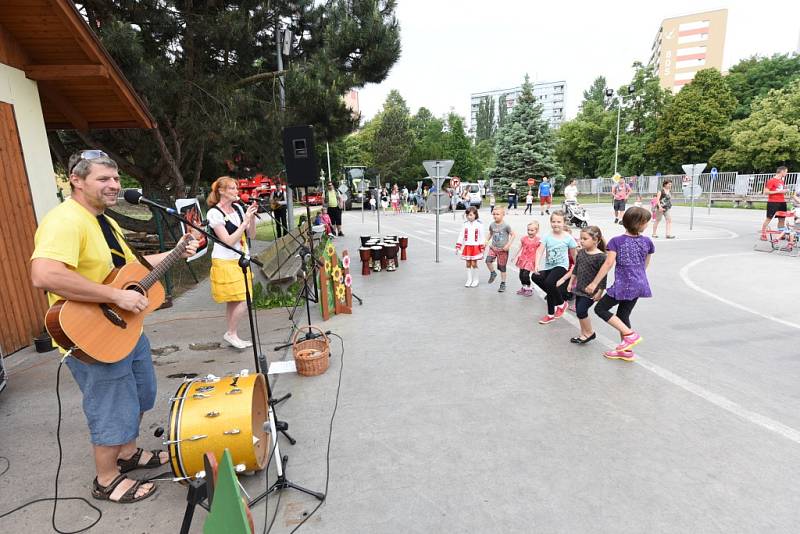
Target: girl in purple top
column 629, row 254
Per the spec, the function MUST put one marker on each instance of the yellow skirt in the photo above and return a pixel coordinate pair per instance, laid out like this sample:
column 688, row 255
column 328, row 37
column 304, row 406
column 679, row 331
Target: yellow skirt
column 227, row 283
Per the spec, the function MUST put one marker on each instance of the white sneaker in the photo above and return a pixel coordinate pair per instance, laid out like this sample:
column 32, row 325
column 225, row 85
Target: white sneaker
column 475, row 280
column 235, row 342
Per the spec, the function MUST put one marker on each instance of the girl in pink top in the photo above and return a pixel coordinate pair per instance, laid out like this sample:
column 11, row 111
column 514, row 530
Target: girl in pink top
column 526, row 258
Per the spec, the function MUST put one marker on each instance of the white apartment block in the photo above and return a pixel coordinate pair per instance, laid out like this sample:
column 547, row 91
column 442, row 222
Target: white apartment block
column 549, row 94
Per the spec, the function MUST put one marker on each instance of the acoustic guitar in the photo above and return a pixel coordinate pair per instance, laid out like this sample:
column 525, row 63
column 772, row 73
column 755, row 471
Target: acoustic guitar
column 103, row 332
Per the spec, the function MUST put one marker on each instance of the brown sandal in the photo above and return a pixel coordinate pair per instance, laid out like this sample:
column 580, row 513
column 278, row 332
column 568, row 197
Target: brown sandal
column 132, row 463
column 103, row 493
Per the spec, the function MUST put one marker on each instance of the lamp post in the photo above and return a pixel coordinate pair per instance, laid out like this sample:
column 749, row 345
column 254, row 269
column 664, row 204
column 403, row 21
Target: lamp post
column 609, row 94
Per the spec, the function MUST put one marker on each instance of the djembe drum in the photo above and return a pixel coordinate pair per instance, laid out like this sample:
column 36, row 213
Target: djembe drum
column 364, row 240
column 366, row 260
column 403, row 247
column 390, row 251
column 376, row 251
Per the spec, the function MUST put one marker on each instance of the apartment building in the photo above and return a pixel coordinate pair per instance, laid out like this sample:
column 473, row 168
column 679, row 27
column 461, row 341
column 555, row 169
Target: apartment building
column 549, row 94
column 684, row 45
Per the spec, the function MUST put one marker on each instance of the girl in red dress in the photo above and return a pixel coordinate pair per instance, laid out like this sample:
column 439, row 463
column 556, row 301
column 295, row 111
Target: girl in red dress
column 470, row 244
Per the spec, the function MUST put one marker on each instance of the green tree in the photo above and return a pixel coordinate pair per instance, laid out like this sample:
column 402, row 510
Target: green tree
column 206, row 69
column 768, row 137
column 484, row 120
column 580, row 141
column 693, row 125
column 597, row 92
column 458, row 147
column 502, row 111
column 756, row 76
column 638, row 124
column 393, row 140
column 484, row 156
column 525, row 144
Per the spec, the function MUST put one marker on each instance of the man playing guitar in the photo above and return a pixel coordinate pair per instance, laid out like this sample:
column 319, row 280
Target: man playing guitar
column 76, row 247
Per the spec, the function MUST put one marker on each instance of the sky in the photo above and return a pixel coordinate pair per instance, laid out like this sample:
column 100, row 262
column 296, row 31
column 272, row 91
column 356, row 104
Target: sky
column 451, row 48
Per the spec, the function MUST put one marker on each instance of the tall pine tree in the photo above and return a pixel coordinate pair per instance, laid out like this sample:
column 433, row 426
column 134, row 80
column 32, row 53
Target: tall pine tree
column 525, row 144
column 484, row 120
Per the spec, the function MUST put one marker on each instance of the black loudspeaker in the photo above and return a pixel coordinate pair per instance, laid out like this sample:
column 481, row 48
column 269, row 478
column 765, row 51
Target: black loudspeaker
column 300, row 156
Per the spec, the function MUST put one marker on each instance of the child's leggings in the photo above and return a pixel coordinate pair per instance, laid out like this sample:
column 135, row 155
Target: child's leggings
column 525, row 277
column 547, row 281
column 624, row 309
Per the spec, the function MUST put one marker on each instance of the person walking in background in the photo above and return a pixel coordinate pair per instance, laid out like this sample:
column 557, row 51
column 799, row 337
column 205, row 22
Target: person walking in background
column 230, row 222
column 526, row 258
column 470, row 244
column 334, row 201
column 500, row 237
column 620, row 191
column 545, row 195
column 588, row 261
column 277, row 203
column 552, row 263
column 663, row 205
column 395, row 200
column 512, row 197
column 529, row 202
column 775, row 189
column 629, row 255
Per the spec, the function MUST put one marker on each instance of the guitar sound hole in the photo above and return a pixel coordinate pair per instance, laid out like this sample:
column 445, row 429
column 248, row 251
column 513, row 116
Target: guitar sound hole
column 136, row 287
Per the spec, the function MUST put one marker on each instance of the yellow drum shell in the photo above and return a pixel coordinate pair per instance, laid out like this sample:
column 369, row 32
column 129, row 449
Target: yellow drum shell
column 211, row 416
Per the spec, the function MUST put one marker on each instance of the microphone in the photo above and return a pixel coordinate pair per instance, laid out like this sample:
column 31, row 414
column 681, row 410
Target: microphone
column 133, row 196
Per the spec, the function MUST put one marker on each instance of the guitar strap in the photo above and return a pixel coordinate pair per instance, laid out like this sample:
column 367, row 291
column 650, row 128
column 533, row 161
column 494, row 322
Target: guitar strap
column 112, row 236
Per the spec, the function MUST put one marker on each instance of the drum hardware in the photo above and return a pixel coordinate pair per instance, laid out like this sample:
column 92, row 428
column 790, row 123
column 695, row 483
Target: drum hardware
column 196, row 437
column 232, row 432
column 205, row 389
column 200, row 396
column 212, row 414
column 234, row 391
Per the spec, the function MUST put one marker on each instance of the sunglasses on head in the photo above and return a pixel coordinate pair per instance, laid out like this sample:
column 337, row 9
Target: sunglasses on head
column 88, row 155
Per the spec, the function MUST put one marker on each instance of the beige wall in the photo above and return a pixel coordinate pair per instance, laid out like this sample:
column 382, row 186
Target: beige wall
column 682, row 40
column 22, row 93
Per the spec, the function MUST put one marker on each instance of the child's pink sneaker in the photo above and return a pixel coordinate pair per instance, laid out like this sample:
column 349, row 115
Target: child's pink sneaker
column 629, row 341
column 528, row 292
column 547, row 319
column 521, row 291
column 625, row 355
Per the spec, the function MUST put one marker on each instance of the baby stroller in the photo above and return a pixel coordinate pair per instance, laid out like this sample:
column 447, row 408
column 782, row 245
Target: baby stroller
column 575, row 214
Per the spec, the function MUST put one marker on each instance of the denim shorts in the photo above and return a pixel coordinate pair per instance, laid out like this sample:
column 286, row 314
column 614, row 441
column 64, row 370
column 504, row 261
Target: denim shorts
column 116, row 394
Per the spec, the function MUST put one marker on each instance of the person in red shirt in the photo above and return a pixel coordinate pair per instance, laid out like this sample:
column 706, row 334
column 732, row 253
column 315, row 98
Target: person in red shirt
column 775, row 189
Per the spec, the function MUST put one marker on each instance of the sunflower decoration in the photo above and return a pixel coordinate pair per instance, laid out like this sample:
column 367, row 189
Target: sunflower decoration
column 346, row 262
column 340, row 292
column 336, row 274
column 330, row 250
column 348, row 280
column 328, row 266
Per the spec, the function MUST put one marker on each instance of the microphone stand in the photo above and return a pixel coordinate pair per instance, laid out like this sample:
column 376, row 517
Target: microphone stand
column 262, row 366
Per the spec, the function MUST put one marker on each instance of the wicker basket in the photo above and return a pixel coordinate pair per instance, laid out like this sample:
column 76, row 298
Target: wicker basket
column 311, row 356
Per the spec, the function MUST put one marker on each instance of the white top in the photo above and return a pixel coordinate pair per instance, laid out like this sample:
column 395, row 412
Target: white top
column 529, row 198
column 471, row 234
column 571, row 193
column 216, row 218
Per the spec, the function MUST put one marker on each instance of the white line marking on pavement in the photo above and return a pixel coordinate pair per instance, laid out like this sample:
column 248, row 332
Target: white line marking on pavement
column 687, row 385
column 684, row 273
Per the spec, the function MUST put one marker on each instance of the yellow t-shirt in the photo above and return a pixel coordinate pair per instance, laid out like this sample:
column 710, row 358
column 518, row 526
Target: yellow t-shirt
column 71, row 234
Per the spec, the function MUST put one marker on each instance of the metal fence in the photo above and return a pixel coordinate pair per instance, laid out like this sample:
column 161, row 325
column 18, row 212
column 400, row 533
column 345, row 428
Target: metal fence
column 726, row 186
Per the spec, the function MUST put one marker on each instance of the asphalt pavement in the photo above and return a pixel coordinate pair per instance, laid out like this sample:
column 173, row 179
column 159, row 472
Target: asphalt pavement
column 458, row 412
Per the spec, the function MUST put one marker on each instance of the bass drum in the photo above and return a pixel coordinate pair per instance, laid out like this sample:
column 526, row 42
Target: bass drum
column 217, row 413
